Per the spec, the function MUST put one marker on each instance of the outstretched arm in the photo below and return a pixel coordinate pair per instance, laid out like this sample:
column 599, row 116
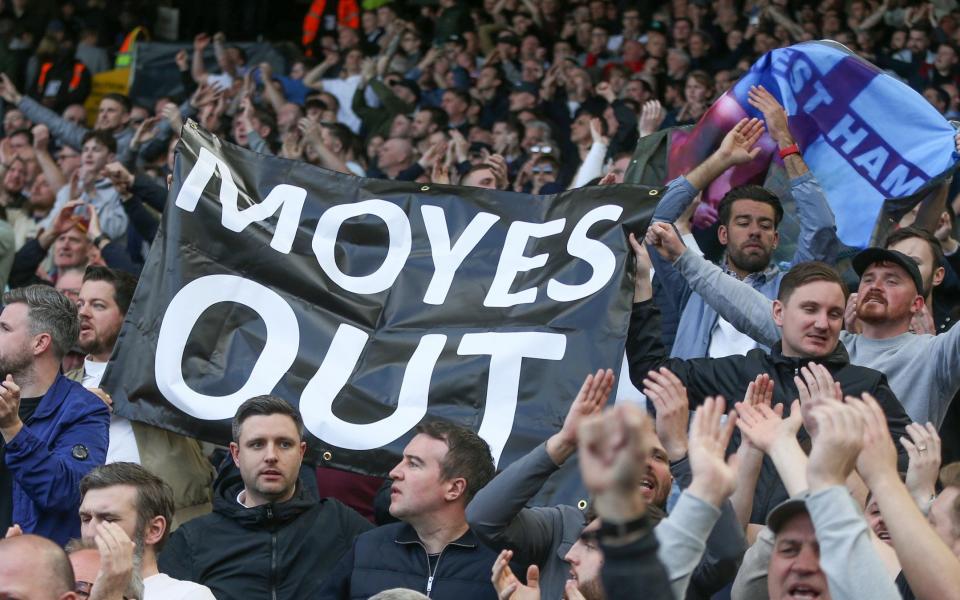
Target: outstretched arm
column 744, row 307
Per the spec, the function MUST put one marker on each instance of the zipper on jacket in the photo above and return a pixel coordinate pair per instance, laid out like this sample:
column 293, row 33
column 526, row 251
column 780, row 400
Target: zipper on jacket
column 431, row 573
column 273, row 557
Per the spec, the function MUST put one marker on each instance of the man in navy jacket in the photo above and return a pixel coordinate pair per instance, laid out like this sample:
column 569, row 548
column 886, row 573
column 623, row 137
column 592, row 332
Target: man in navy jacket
column 54, row 431
column 431, row 549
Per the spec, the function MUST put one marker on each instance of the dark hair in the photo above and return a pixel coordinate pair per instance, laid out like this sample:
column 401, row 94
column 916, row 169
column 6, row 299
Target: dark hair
column 24, row 132
column 124, row 284
column 154, row 495
column 103, row 136
column 906, row 233
column 468, row 455
column 120, row 98
column 314, row 103
column 756, row 193
column 438, row 116
column 807, row 272
column 49, row 312
column 265, row 406
column 462, row 94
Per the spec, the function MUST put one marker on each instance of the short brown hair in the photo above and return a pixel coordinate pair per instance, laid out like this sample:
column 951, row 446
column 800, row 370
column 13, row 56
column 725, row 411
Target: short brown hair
column 265, row 406
column 154, row 495
column 807, row 272
column 468, row 455
column 906, row 233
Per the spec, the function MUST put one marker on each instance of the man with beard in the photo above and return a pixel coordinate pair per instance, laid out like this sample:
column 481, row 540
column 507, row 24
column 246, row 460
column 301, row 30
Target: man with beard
column 53, row 430
column 105, row 296
column 557, row 538
column 749, row 217
column 923, row 370
column 141, row 504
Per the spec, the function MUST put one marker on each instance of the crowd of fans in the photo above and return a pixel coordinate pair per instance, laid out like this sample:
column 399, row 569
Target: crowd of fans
column 794, row 434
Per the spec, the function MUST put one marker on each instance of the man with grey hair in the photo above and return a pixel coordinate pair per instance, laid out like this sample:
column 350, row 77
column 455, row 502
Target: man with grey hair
column 53, row 430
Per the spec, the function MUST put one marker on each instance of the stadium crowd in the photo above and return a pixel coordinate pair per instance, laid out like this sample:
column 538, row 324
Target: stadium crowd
column 794, row 432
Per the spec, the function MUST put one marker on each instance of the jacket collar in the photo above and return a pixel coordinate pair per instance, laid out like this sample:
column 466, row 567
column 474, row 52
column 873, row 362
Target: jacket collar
column 836, row 359
column 54, row 397
column 265, row 515
column 408, row 535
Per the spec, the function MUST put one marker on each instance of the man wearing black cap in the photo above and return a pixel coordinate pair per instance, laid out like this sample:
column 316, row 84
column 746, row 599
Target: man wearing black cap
column 923, row 370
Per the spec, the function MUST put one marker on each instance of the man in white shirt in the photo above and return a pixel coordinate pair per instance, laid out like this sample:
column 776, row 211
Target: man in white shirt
column 105, row 296
column 141, row 504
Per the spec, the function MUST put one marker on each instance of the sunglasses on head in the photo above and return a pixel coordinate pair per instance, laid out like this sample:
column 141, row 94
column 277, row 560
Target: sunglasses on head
column 544, row 170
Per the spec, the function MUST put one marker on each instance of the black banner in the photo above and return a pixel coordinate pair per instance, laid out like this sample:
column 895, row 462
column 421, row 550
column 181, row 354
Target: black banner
column 371, row 304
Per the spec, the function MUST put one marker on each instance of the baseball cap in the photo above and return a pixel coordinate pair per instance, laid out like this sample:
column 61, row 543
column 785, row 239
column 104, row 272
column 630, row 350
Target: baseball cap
column 784, row 511
column 862, row 261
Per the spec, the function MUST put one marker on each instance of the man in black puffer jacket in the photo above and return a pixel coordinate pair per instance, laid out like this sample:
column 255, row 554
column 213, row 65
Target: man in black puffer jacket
column 809, row 309
column 269, row 535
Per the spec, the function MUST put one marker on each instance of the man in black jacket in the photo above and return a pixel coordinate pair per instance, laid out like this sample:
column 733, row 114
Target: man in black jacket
column 431, row 549
column 269, row 536
column 809, row 309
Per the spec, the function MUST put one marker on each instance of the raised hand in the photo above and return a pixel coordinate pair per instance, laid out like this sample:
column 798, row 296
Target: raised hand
column 200, row 42
column 116, row 562
column 605, row 91
column 739, row 146
column 714, row 477
column 923, row 450
column 10, row 423
column 669, row 396
column 664, row 238
column 182, row 60
column 8, row 91
column 596, row 132
column 878, row 460
column 642, row 287
column 774, row 115
column 506, row 583
column 850, row 322
column 815, row 386
column 590, row 401
column 41, row 138
column 922, row 322
column 612, row 449
column 766, row 428
column 498, row 166
column 836, row 445
column 651, row 117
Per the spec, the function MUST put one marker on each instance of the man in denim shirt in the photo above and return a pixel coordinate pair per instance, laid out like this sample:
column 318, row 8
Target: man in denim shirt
column 749, row 217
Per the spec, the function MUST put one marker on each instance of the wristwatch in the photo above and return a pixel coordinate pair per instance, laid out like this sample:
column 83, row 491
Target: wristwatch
column 615, row 531
column 100, row 238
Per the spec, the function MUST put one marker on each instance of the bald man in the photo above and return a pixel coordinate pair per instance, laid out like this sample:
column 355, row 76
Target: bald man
column 34, row 568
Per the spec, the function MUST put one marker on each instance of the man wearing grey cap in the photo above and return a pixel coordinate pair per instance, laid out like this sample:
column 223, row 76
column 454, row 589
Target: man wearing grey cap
column 821, row 544
column 923, row 370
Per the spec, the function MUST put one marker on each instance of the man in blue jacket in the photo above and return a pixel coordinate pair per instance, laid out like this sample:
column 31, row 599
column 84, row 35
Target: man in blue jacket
column 54, row 431
column 431, row 549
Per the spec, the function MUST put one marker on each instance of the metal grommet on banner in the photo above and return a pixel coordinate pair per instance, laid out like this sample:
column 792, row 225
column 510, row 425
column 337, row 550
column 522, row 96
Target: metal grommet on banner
column 653, row 192
column 424, row 188
column 582, row 505
column 327, row 456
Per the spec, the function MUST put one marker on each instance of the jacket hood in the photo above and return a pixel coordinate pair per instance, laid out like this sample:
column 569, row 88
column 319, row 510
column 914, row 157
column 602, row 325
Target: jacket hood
column 228, row 486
